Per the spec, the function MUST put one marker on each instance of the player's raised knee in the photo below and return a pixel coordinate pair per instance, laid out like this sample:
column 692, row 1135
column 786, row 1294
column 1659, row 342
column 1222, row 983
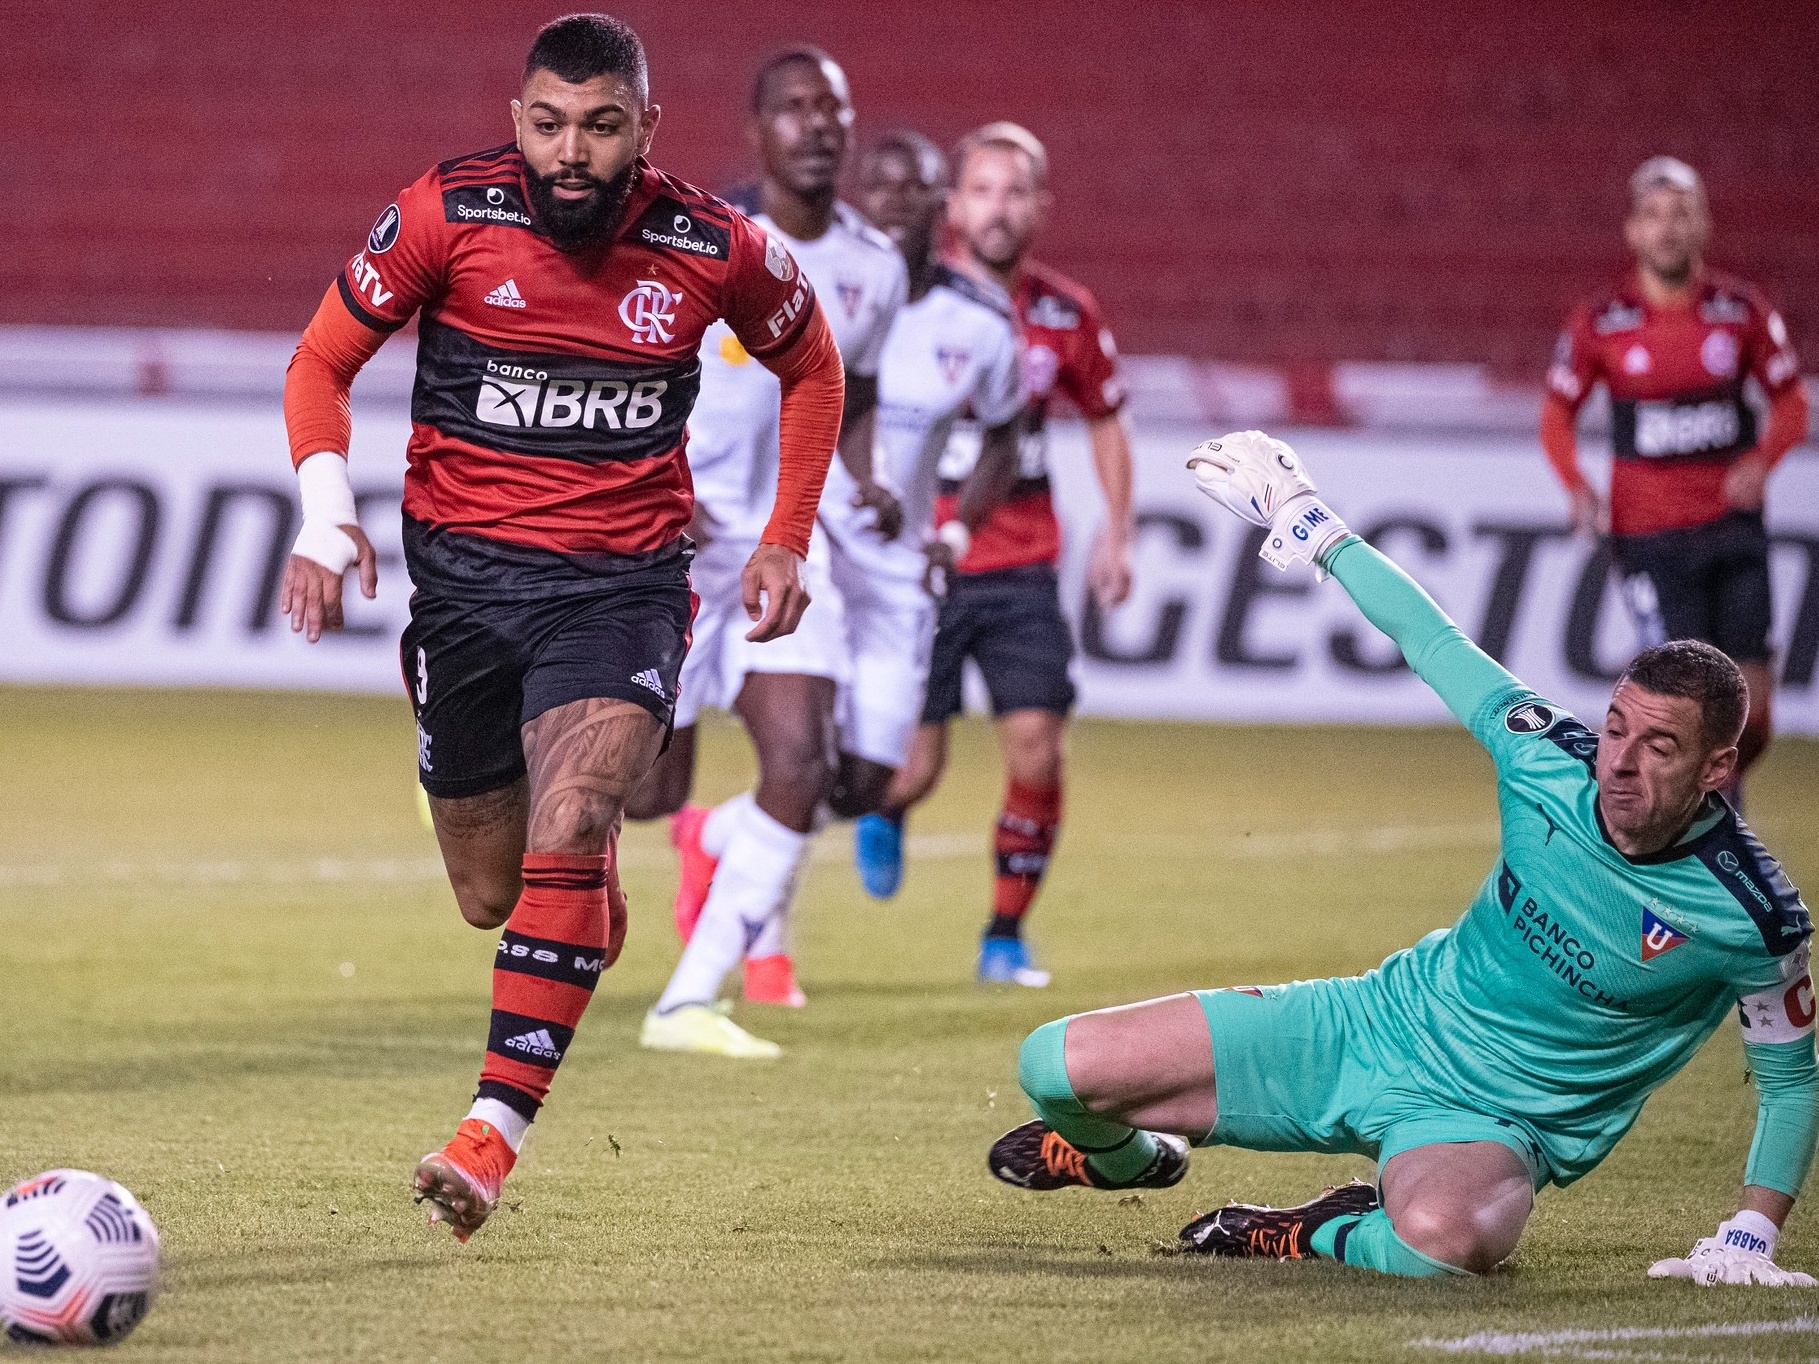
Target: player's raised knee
column 1446, row 1230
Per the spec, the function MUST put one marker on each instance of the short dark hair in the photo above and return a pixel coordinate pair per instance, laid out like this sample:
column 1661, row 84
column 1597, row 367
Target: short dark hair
column 929, row 160
column 579, row 47
column 1702, row 674
column 805, row 54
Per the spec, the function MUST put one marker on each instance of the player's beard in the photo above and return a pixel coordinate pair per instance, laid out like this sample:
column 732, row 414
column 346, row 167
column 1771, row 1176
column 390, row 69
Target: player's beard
column 577, row 224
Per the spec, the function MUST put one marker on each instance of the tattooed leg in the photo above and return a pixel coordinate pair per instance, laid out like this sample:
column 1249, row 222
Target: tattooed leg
column 482, row 840
column 585, row 759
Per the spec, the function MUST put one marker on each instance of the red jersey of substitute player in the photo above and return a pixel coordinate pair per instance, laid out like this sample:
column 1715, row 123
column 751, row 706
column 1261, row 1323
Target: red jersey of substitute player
column 562, row 286
column 1674, row 343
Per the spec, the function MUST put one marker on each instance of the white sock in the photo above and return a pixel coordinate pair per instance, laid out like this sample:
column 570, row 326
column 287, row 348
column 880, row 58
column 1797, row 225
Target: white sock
column 773, row 938
column 511, row 1123
column 717, row 828
column 752, row 886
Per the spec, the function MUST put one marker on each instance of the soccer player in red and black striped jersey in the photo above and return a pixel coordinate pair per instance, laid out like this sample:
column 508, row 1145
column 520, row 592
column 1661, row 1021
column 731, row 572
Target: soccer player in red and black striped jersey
column 563, row 286
column 1674, row 343
column 1003, row 604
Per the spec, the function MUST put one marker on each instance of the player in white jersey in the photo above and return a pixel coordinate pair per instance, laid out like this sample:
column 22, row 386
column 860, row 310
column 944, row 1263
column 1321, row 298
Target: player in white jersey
column 951, row 348
column 951, row 351
column 801, row 123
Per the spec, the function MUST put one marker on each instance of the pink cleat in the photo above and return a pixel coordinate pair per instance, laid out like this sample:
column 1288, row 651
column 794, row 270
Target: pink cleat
column 696, row 869
column 772, row 980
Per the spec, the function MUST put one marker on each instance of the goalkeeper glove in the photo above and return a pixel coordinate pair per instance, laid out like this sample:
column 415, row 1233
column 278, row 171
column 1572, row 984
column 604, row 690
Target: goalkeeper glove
column 1743, row 1252
column 328, row 505
column 1260, row 479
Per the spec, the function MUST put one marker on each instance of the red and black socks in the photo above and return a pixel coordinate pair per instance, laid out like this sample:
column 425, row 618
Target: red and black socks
column 567, row 928
column 1027, row 827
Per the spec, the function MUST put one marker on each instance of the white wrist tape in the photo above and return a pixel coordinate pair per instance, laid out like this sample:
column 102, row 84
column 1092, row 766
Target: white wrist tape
column 328, row 505
column 1751, row 1231
column 956, row 537
column 1302, row 531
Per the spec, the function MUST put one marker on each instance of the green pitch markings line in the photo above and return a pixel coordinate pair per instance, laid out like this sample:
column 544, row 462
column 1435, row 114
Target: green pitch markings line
column 1584, row 1344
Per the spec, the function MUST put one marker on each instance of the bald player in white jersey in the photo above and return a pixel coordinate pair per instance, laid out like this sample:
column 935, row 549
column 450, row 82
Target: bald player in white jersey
column 801, row 121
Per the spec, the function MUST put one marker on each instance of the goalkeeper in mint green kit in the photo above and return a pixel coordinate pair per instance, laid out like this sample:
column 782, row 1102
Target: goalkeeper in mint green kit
column 1629, row 912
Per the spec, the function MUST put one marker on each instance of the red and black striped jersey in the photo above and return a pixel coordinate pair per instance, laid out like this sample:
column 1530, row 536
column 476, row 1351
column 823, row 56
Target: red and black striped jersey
column 1066, row 350
column 553, row 388
column 1679, row 417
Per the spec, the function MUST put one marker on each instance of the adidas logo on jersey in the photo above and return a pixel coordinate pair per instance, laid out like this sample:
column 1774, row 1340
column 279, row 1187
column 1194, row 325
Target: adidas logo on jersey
column 538, row 1043
column 649, row 680
column 506, row 296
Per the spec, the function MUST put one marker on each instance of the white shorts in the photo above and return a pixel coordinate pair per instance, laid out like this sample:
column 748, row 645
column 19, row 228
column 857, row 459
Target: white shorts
column 890, row 634
column 720, row 656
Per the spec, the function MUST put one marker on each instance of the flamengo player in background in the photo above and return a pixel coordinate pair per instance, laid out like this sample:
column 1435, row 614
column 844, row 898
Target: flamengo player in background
column 565, row 286
column 1629, row 911
column 1674, row 342
column 784, row 690
column 1003, row 606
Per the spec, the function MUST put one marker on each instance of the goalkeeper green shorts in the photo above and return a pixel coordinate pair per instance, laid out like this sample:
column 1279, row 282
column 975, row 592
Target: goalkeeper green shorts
column 1308, row 1067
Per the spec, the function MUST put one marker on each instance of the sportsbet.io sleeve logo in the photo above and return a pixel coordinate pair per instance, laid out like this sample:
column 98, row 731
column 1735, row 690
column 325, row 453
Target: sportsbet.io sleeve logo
column 1529, row 717
column 385, row 232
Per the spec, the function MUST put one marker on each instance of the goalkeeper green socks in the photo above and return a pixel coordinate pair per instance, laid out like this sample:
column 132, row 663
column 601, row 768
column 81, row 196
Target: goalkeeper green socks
column 1370, row 1242
column 1116, row 1152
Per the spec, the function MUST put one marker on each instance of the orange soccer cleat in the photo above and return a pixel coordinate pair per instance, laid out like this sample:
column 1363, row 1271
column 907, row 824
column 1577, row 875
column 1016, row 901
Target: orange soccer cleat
column 772, row 980
column 695, row 873
column 461, row 1182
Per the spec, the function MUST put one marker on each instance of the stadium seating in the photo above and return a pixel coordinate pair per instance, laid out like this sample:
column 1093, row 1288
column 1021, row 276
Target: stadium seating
column 1310, row 183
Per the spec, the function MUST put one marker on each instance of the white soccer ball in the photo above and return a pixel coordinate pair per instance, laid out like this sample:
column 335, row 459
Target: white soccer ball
column 78, row 1261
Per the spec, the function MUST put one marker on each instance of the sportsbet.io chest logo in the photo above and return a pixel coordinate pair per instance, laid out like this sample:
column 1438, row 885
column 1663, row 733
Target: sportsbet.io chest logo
column 1531, row 717
column 649, row 311
column 519, row 395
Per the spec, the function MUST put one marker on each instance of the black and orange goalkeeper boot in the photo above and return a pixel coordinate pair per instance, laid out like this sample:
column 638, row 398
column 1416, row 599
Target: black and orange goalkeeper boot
column 1250, row 1231
column 1035, row 1156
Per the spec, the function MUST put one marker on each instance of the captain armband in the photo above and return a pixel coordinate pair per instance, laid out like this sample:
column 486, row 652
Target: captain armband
column 1783, row 1012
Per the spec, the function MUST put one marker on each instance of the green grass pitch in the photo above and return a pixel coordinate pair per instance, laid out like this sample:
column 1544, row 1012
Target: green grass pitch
column 232, row 977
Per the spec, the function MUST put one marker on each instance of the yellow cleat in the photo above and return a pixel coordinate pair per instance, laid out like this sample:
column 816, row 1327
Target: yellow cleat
column 704, row 1029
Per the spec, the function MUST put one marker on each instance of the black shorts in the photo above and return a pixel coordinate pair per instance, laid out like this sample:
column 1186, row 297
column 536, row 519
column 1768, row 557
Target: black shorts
column 1009, row 622
column 1705, row 582
column 477, row 670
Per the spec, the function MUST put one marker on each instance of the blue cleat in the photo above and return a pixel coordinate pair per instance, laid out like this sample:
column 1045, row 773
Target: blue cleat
column 1006, row 961
column 878, row 853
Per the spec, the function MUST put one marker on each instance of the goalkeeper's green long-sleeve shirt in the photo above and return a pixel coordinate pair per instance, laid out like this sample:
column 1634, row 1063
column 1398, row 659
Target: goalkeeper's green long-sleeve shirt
column 1580, row 980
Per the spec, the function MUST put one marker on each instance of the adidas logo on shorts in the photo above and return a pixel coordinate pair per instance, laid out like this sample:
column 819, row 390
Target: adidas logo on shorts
column 538, row 1043
column 649, row 680
column 506, row 296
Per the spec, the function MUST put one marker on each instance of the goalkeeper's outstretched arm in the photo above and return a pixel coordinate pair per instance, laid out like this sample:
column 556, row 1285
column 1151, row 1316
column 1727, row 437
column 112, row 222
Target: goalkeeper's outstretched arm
column 1261, row 480
column 1474, row 685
